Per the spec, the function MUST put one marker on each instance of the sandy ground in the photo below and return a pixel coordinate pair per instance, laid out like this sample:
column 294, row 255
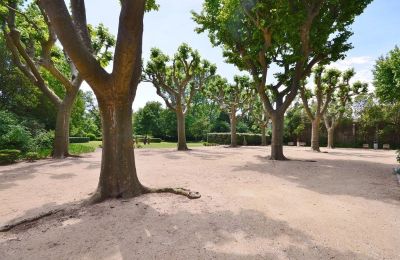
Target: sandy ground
column 346, row 205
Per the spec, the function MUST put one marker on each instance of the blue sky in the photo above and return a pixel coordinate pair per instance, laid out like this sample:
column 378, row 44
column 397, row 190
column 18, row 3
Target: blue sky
column 376, row 32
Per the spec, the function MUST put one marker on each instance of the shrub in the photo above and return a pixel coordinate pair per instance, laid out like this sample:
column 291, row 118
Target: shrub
column 44, row 140
column 92, row 137
column 17, row 137
column 9, row 156
column 32, row 156
column 79, row 140
column 99, row 138
column 155, row 140
column 209, row 144
column 225, row 138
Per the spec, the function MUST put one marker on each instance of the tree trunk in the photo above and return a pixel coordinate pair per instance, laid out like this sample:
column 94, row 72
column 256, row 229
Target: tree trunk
column 330, row 137
column 263, row 135
column 233, row 129
column 315, row 134
column 118, row 178
column 61, row 138
column 277, row 137
column 180, row 116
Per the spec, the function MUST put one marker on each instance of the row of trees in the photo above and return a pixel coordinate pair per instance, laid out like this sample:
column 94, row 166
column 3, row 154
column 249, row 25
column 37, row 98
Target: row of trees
column 255, row 35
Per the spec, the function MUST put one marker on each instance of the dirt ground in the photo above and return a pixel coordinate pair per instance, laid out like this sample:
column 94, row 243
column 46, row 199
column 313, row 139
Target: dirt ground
column 344, row 204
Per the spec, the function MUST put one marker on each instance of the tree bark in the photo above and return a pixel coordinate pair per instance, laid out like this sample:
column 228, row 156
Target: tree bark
column 118, row 177
column 315, row 134
column 263, row 135
column 331, row 131
column 61, row 138
column 180, row 116
column 233, row 129
column 277, row 137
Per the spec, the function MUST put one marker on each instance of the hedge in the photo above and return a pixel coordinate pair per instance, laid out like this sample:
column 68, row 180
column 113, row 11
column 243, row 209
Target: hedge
column 78, row 140
column 140, row 139
column 9, row 156
column 225, row 138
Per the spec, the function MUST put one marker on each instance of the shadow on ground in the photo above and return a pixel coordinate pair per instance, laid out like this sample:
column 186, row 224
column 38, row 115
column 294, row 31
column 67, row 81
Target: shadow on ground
column 144, row 229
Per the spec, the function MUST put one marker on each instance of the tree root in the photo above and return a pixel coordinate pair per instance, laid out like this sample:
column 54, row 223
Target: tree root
column 8, row 227
column 179, row 191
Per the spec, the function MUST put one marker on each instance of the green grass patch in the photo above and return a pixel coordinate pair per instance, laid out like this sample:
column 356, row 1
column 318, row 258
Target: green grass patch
column 77, row 149
column 168, row 145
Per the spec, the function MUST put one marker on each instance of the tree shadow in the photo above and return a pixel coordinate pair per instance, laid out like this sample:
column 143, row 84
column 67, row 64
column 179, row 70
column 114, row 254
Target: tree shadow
column 163, row 227
column 356, row 178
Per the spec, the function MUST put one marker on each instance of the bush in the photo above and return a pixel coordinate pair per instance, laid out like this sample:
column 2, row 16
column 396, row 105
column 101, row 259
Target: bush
column 44, row 140
column 92, row 137
column 225, row 138
column 99, row 138
column 79, row 140
column 155, row 140
column 209, row 144
column 32, row 156
column 17, row 137
column 9, row 156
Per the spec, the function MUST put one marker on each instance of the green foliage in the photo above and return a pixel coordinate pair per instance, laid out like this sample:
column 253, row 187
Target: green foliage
column 13, row 135
column 92, row 137
column 8, row 156
column 32, row 156
column 147, row 119
column 387, row 76
column 225, row 138
column 75, row 140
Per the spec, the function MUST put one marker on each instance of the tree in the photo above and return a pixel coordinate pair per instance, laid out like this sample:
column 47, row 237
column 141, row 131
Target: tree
column 387, row 76
column 260, row 116
column 232, row 98
column 115, row 91
column 290, row 35
column 341, row 98
column 31, row 39
column 148, row 119
column 177, row 81
column 316, row 102
column 295, row 121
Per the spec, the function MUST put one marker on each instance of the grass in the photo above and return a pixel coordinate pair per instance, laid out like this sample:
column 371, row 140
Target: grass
column 168, row 145
column 81, row 148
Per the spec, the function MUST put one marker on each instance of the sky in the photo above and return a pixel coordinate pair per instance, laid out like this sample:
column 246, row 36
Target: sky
column 376, row 32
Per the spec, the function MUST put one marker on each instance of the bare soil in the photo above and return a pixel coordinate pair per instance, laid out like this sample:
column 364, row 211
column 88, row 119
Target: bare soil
column 345, row 205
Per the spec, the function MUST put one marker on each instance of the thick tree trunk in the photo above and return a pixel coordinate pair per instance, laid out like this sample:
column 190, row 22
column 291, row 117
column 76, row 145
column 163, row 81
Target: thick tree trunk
column 331, row 131
column 233, row 129
column 180, row 116
column 61, row 138
column 263, row 135
column 118, row 178
column 277, row 137
column 315, row 134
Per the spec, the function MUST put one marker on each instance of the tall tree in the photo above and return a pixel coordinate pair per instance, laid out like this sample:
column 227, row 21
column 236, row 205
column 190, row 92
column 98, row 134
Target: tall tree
column 316, row 101
column 341, row 98
column 115, row 91
column 147, row 120
column 291, row 35
column 177, row 81
column 387, row 77
column 232, row 98
column 31, row 39
column 260, row 116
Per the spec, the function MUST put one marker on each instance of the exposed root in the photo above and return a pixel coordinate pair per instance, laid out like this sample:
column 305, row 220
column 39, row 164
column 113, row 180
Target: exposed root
column 8, row 227
column 179, row 191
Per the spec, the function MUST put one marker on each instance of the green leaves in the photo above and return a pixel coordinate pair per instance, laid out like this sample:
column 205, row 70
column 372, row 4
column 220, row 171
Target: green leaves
column 387, row 76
